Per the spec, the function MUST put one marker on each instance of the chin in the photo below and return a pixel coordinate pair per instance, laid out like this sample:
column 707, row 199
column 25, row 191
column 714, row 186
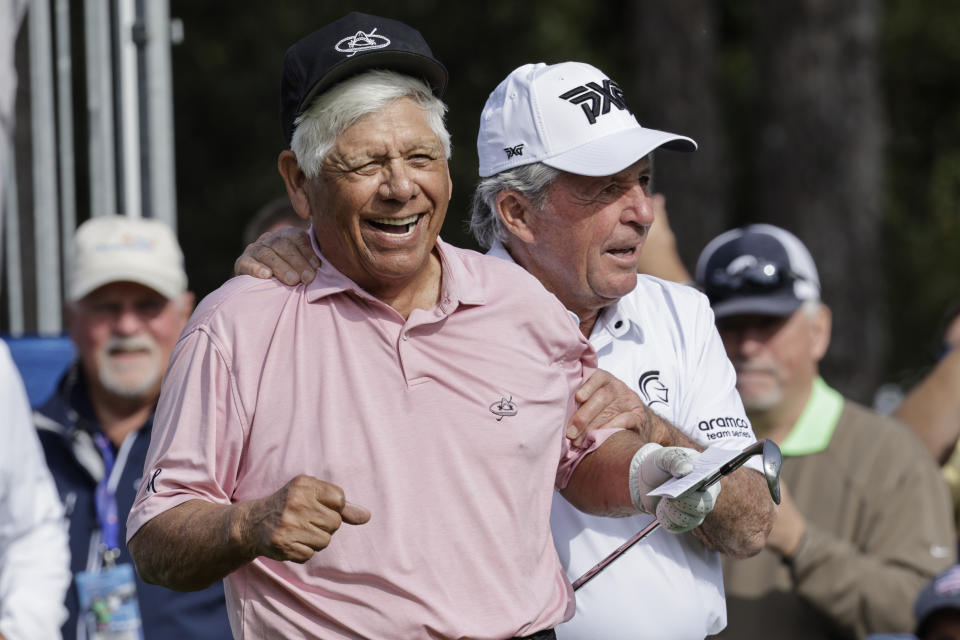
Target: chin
column 130, row 385
column 756, row 402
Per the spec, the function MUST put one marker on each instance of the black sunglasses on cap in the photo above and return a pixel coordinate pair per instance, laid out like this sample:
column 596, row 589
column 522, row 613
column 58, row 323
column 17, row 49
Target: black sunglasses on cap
column 759, row 275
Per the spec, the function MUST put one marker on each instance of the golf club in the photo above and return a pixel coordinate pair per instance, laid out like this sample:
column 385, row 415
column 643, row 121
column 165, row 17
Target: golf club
column 771, row 462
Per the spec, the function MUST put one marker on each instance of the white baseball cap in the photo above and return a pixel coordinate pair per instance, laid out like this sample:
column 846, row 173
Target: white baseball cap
column 120, row 249
column 569, row 116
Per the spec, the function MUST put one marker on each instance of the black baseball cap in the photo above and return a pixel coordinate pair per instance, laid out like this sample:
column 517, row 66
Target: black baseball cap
column 355, row 43
column 759, row 269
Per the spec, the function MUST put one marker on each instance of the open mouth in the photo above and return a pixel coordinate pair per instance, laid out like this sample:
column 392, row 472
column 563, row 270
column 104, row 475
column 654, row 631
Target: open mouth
column 627, row 252
column 396, row 226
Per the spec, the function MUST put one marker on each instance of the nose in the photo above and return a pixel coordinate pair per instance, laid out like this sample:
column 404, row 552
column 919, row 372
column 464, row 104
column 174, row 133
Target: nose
column 746, row 341
column 638, row 206
column 397, row 183
column 127, row 322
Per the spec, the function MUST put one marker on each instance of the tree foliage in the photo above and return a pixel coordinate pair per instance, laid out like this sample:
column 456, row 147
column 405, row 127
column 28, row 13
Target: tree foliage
column 865, row 125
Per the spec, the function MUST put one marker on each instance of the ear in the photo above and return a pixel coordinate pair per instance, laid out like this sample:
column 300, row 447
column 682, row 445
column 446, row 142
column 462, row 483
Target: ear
column 295, row 180
column 516, row 214
column 820, row 327
column 188, row 301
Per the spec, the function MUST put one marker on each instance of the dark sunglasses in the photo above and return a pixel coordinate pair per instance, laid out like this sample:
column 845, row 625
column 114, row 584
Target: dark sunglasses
column 761, row 275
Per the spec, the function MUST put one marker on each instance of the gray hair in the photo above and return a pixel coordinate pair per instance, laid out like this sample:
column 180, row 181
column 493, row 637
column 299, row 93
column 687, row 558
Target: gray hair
column 333, row 112
column 532, row 181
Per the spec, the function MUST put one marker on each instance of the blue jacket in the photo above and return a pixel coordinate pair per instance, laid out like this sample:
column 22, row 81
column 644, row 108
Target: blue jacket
column 66, row 423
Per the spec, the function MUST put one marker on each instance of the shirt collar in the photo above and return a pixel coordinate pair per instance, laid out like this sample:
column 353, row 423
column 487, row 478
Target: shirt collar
column 458, row 285
column 816, row 425
column 617, row 321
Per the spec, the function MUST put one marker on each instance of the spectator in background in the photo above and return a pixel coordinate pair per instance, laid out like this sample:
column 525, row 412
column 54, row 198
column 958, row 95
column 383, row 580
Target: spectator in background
column 127, row 304
column 864, row 521
column 272, row 216
column 932, row 407
column 937, row 610
column 34, row 558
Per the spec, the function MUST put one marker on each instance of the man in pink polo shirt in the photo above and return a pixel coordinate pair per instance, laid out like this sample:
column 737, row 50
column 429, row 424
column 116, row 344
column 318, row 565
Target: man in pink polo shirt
column 418, row 392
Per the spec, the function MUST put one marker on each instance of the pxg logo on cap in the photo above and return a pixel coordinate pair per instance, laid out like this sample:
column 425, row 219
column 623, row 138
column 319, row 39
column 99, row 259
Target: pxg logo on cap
column 596, row 99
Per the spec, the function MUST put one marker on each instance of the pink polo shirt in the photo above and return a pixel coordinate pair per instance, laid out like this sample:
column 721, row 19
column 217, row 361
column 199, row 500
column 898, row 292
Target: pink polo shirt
column 448, row 426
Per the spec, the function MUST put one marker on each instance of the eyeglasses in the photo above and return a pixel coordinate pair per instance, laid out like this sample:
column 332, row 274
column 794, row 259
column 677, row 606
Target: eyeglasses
column 758, row 274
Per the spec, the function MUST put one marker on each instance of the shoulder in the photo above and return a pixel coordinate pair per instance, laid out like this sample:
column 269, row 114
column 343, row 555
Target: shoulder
column 497, row 275
column 881, row 443
column 665, row 308
column 654, row 296
column 239, row 306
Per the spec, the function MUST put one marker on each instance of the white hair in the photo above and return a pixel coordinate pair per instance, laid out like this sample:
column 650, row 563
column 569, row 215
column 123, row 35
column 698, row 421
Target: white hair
column 333, row 112
column 533, row 181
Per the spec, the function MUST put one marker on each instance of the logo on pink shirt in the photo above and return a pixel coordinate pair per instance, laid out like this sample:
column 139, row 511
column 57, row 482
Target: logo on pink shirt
column 503, row 408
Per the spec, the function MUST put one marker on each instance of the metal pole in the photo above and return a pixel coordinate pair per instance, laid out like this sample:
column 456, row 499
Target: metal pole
column 103, row 183
column 11, row 219
column 68, row 191
column 46, row 233
column 129, row 108
column 163, row 196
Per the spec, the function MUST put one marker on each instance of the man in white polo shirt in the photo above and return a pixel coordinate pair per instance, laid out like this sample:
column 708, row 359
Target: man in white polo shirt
column 565, row 192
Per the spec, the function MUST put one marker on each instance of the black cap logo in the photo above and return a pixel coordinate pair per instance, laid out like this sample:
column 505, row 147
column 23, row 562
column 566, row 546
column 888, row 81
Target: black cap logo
column 362, row 42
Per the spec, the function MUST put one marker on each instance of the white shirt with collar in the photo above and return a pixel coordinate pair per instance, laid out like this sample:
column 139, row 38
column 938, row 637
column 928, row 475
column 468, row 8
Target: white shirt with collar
column 661, row 340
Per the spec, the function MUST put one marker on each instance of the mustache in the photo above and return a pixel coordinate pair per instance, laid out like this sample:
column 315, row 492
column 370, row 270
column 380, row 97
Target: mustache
column 754, row 368
column 126, row 344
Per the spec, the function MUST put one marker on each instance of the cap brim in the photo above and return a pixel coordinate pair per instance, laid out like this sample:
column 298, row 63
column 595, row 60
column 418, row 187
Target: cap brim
column 406, row 62
column 617, row 151
column 756, row 305
column 169, row 287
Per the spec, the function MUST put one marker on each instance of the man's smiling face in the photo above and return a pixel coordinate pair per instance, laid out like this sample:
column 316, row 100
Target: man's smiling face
column 381, row 197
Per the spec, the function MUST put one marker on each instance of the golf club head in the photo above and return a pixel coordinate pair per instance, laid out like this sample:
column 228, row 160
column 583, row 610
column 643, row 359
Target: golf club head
column 772, row 461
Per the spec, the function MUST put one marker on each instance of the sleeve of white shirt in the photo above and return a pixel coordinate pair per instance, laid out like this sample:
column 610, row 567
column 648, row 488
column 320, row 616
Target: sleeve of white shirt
column 34, row 553
column 713, row 413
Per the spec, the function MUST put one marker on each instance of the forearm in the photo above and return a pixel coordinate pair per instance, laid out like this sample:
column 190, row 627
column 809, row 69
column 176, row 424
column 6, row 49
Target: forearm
column 932, row 408
column 864, row 592
column 742, row 518
column 192, row 545
column 600, row 483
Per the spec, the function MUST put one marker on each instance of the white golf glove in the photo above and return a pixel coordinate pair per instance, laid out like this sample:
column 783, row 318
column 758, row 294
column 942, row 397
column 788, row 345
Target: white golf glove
column 653, row 465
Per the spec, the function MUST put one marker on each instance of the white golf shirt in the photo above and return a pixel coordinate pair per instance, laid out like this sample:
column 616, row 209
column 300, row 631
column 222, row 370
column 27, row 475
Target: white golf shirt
column 34, row 557
column 661, row 341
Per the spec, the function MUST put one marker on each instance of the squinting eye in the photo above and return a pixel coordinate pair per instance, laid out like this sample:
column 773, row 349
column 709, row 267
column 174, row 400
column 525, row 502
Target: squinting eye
column 367, row 169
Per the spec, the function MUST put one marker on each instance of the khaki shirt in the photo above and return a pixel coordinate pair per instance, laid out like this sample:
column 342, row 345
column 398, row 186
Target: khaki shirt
column 879, row 528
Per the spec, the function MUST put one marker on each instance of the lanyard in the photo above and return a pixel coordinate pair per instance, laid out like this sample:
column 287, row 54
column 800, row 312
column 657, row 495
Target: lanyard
column 106, row 503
